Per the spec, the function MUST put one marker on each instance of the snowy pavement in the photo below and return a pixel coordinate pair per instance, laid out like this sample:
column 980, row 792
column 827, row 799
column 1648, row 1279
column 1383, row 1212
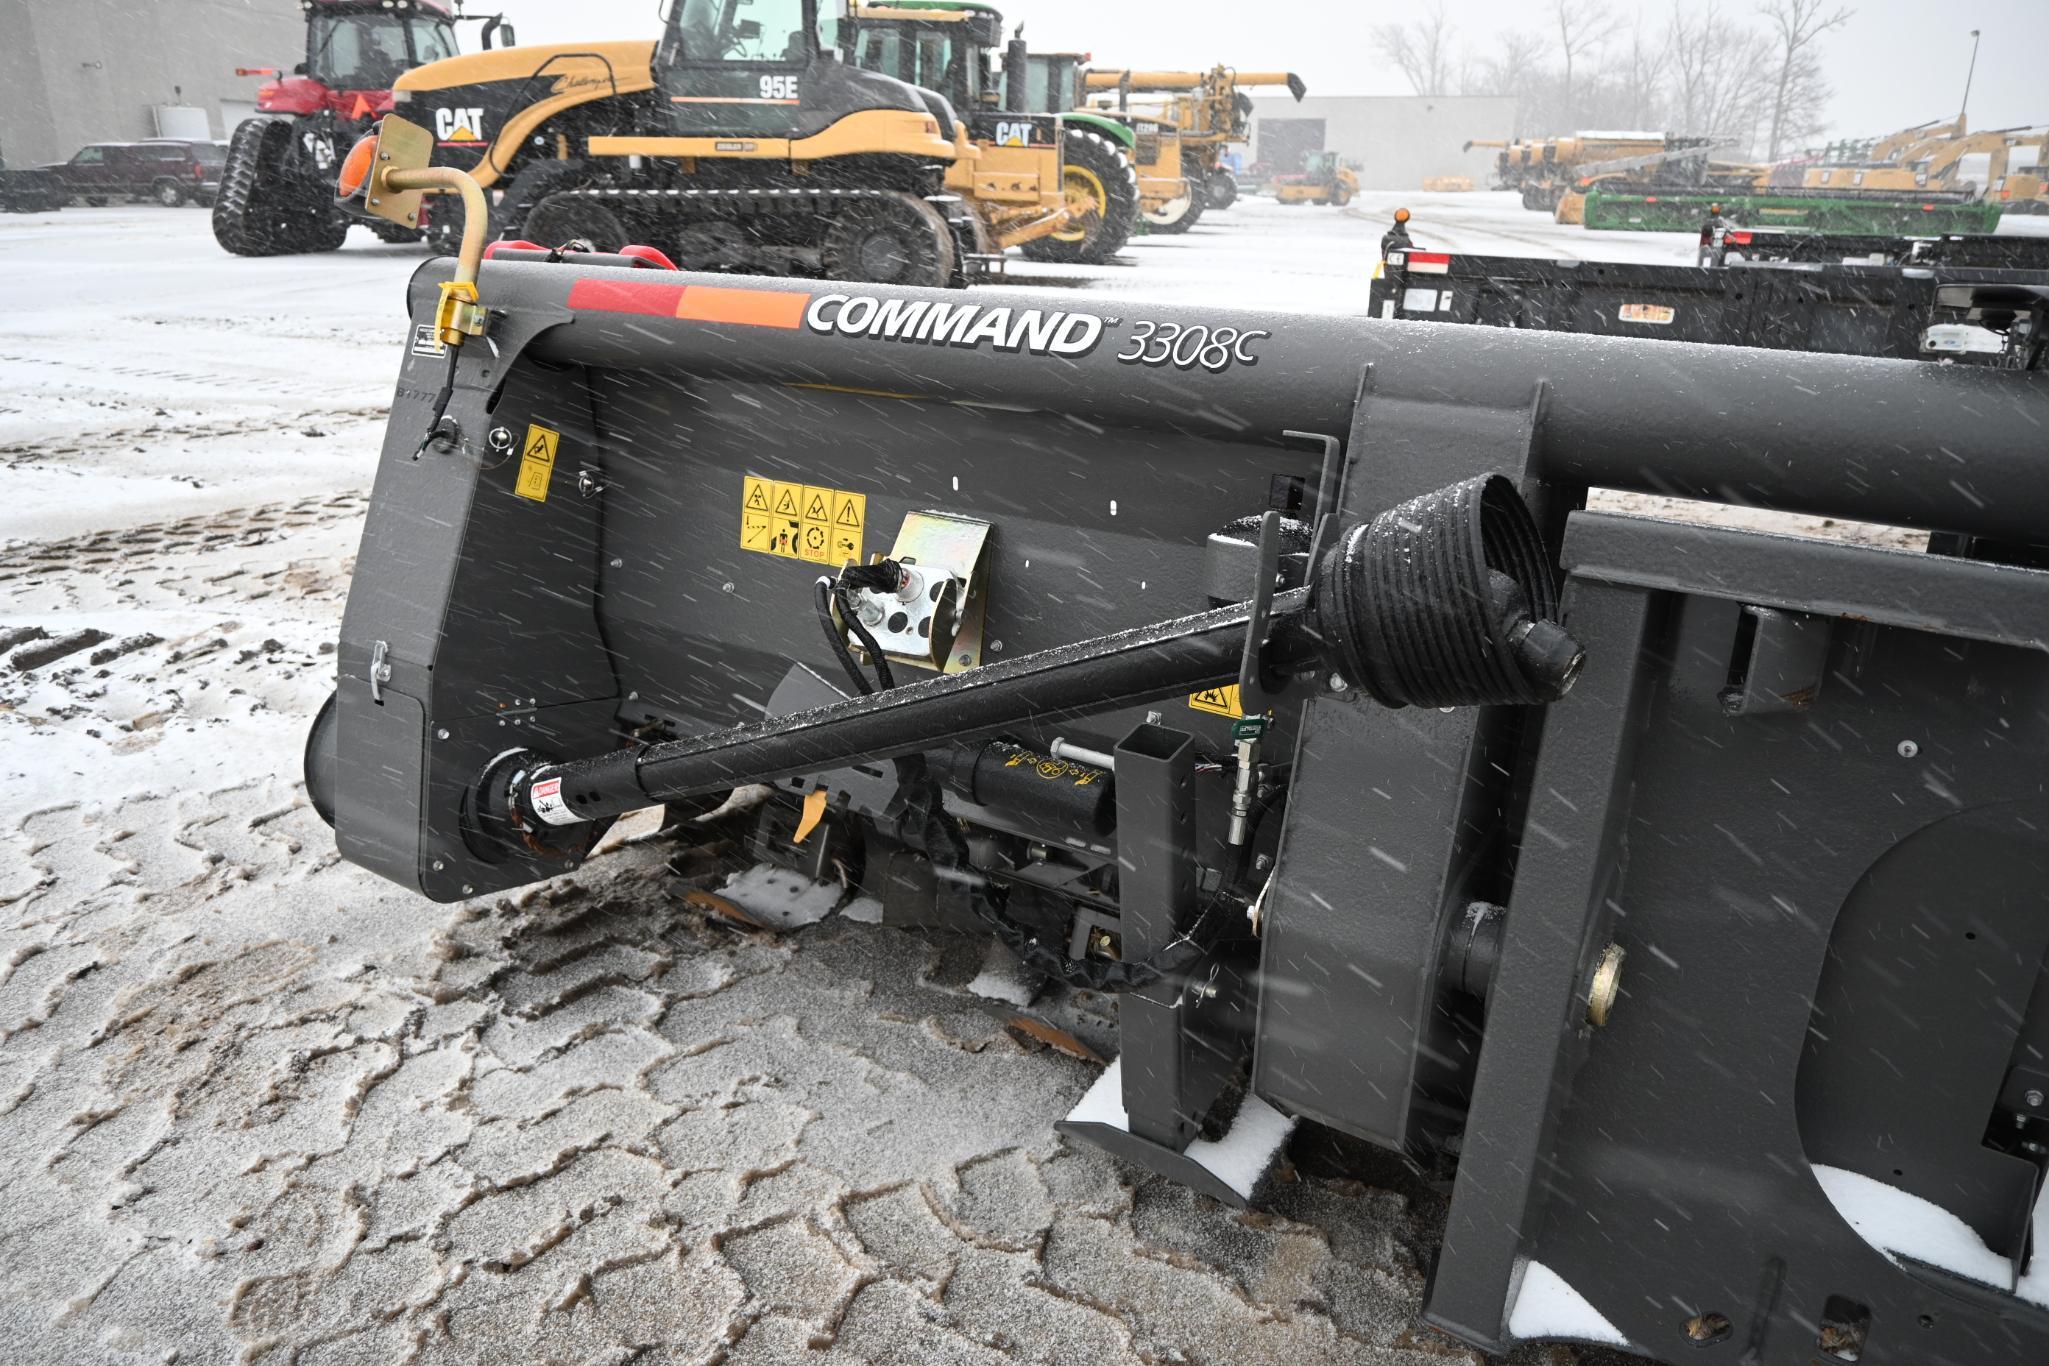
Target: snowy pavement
column 257, row 1104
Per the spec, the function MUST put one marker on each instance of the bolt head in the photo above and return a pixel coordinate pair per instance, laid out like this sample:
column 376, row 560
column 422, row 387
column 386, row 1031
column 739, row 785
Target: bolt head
column 1908, row 749
column 2034, row 1099
column 1338, row 684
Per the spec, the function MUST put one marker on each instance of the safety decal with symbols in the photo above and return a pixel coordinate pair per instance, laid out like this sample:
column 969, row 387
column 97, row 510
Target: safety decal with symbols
column 546, row 797
column 1218, row 701
column 537, row 463
column 802, row 521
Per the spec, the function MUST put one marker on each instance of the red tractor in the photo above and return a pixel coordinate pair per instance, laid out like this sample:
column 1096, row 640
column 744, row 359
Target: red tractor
column 277, row 191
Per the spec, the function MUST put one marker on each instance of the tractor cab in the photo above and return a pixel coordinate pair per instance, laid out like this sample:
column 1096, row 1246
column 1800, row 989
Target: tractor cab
column 772, row 68
column 367, row 47
column 945, row 47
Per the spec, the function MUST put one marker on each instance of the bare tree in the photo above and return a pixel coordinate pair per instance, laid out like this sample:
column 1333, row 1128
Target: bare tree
column 1641, row 75
column 1514, row 68
column 1422, row 50
column 1719, row 75
column 1800, row 90
column 1583, row 26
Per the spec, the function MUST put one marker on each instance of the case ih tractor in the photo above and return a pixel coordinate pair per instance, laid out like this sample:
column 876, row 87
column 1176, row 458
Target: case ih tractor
column 277, row 193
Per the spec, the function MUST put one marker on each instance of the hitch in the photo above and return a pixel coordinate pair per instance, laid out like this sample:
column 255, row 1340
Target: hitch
column 1444, row 601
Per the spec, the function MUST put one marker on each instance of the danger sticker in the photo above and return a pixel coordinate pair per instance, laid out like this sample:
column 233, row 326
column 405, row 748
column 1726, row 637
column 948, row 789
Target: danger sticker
column 802, row 521
column 545, row 797
column 1218, row 701
column 537, row 463
column 1657, row 315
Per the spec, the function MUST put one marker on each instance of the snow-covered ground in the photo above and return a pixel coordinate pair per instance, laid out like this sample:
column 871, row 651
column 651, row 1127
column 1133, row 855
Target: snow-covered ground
column 254, row 1100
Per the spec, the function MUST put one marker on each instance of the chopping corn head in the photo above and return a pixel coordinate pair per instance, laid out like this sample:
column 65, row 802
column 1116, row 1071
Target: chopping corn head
column 1674, row 891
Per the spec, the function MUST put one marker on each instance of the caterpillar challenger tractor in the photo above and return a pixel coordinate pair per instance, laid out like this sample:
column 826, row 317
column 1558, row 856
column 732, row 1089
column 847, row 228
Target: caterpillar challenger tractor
column 1062, row 189
column 1052, row 83
column 740, row 141
column 1672, row 890
column 276, row 194
column 1209, row 108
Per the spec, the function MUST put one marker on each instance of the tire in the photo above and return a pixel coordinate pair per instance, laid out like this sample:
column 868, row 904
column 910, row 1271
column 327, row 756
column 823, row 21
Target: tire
column 323, row 759
column 259, row 211
column 556, row 221
column 1181, row 215
column 168, row 193
column 1341, row 198
column 1097, row 170
column 891, row 239
column 1222, row 190
column 96, row 201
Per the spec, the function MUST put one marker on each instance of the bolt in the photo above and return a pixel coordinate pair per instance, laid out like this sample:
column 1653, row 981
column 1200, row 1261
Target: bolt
column 468, row 890
column 439, row 865
column 1606, row 986
column 995, row 647
column 500, row 439
column 1908, row 749
column 618, row 564
column 2034, row 1099
column 725, row 588
column 1263, row 862
column 967, row 659
column 1337, row 683
column 441, row 733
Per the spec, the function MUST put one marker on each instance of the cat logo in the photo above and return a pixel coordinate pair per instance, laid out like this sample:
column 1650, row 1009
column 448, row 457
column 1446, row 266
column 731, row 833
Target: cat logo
column 1013, row 134
column 460, row 127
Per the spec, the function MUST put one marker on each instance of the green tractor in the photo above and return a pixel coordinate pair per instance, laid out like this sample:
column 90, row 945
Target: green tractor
column 1056, row 83
column 1059, row 185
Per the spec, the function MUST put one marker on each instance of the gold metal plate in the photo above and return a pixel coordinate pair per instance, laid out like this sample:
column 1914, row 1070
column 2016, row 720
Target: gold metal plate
column 401, row 146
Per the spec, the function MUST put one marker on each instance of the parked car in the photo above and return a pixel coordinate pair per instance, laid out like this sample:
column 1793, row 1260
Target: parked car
column 168, row 170
column 29, row 191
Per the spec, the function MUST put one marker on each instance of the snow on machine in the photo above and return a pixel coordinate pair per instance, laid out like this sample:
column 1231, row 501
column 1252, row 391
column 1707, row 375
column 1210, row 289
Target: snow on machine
column 1674, row 891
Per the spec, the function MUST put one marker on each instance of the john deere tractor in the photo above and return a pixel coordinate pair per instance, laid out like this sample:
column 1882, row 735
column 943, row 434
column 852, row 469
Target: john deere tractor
column 277, row 189
column 1061, row 188
column 1053, row 83
column 740, row 141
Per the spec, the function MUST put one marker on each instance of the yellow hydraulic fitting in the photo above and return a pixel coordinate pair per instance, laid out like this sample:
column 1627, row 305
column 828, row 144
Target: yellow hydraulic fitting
column 385, row 176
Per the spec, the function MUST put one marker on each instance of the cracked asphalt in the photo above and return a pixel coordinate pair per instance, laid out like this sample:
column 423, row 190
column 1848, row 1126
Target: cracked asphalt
column 258, row 1106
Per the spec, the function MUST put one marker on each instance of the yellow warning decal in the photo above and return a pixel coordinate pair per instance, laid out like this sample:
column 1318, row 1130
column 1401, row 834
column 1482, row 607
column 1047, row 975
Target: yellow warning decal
column 537, row 463
column 1218, row 701
column 802, row 521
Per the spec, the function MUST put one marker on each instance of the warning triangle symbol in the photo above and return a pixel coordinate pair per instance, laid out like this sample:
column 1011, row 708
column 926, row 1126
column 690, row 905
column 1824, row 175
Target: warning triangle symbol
column 787, row 504
column 538, row 448
column 849, row 515
column 1213, row 697
column 815, row 509
column 757, row 501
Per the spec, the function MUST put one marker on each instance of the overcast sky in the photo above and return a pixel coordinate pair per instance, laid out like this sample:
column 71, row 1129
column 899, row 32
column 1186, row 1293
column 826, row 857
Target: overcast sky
column 1897, row 62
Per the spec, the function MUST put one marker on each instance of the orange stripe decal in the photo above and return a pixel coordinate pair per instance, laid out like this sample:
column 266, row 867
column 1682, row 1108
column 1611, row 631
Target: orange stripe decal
column 748, row 307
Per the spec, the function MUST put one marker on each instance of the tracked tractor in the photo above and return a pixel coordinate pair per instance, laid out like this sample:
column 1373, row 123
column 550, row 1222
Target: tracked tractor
column 1053, row 83
column 276, row 189
column 739, row 141
column 1209, row 108
column 1061, row 188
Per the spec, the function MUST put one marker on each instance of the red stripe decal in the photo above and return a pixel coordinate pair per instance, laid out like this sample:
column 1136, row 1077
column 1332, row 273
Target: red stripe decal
column 618, row 296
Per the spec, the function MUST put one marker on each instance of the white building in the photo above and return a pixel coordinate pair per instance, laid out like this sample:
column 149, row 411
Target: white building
column 1398, row 140
column 79, row 71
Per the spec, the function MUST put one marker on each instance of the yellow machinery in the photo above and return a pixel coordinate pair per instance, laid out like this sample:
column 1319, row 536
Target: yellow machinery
column 1064, row 190
column 1208, row 108
column 1324, row 179
column 739, row 141
column 1543, row 169
column 1936, row 162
